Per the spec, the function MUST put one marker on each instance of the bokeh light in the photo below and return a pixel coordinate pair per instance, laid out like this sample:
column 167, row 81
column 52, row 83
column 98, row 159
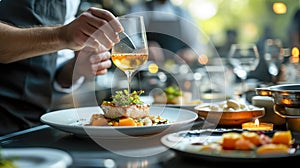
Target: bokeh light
column 279, row 8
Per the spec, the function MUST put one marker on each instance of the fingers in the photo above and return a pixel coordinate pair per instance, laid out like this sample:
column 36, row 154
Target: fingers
column 103, row 39
column 92, row 28
column 100, row 57
column 107, row 16
column 101, row 67
column 95, row 44
column 102, row 21
column 101, row 72
column 100, row 63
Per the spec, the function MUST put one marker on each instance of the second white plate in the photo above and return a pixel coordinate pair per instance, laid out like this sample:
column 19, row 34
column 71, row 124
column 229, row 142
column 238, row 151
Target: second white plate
column 37, row 157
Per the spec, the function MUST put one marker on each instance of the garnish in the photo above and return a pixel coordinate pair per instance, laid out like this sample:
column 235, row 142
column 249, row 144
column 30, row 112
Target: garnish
column 172, row 92
column 6, row 163
column 123, row 98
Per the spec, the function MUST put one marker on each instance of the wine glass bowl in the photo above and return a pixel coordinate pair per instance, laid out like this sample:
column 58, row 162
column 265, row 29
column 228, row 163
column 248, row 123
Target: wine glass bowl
column 131, row 52
column 129, row 61
column 244, row 58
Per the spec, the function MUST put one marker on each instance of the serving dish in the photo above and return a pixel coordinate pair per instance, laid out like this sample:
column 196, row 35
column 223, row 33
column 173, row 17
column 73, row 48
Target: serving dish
column 188, row 105
column 228, row 118
column 186, row 143
column 74, row 120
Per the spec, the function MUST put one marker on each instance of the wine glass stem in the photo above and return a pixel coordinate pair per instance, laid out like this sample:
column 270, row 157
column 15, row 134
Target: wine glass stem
column 129, row 74
column 243, row 90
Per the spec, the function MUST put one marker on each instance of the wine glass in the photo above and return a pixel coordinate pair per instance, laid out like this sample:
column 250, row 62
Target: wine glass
column 132, row 50
column 244, row 58
column 273, row 57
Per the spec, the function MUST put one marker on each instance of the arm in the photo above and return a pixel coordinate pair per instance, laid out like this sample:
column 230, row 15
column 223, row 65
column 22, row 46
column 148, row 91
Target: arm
column 93, row 28
column 20, row 43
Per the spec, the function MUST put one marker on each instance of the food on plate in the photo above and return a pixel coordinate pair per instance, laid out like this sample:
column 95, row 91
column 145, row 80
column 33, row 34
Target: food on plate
column 174, row 95
column 124, row 104
column 100, row 120
column 252, row 137
column 170, row 95
column 6, row 163
column 230, row 105
column 244, row 144
column 280, row 143
column 271, row 149
column 230, row 112
column 282, row 137
column 126, row 110
column 211, row 147
column 229, row 139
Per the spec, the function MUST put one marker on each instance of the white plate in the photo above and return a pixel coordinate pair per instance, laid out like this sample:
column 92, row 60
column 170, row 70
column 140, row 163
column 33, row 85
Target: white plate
column 74, row 120
column 37, row 157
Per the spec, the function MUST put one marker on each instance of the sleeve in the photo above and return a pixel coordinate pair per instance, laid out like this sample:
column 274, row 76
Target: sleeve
column 75, row 86
column 66, row 54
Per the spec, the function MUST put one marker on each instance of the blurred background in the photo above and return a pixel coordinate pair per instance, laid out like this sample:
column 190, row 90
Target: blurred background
column 204, row 69
column 248, row 20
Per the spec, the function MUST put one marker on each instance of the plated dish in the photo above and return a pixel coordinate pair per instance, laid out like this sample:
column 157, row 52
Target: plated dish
column 37, row 157
column 222, row 115
column 190, row 105
column 74, row 121
column 183, row 106
column 191, row 144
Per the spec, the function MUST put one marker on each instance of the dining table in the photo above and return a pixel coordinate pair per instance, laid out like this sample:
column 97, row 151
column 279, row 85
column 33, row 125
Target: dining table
column 132, row 152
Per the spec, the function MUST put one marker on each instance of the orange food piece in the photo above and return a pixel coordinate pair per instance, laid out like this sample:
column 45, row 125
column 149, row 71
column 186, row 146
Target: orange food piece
column 211, row 147
column 244, row 144
column 271, row 149
column 115, row 123
column 229, row 139
column 282, row 137
column 253, row 137
column 127, row 122
column 99, row 122
column 139, row 124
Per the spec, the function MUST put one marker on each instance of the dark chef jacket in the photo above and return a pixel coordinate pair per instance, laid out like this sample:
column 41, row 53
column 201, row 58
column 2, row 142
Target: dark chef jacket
column 26, row 86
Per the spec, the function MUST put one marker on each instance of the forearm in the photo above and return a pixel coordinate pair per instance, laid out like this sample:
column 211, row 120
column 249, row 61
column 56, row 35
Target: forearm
column 21, row 43
column 93, row 28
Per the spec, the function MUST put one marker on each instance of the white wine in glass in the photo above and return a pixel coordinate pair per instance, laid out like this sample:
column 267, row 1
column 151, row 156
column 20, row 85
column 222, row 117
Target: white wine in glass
column 132, row 51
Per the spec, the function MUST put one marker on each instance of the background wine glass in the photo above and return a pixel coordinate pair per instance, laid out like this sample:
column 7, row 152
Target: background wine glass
column 244, row 58
column 273, row 57
column 132, row 51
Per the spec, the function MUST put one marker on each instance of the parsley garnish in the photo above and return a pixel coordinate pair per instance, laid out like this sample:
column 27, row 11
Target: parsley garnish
column 122, row 98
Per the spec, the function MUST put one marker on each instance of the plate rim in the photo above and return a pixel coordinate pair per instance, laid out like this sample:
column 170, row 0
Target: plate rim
column 62, row 157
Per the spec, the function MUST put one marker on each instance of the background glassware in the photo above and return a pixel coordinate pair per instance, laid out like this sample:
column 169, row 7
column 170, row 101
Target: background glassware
column 132, row 51
column 244, row 58
column 273, row 57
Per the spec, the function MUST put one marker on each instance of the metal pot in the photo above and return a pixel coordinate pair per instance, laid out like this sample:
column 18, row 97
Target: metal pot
column 287, row 95
column 286, row 102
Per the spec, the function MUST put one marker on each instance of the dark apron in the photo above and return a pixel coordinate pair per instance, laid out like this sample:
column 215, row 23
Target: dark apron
column 26, row 86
